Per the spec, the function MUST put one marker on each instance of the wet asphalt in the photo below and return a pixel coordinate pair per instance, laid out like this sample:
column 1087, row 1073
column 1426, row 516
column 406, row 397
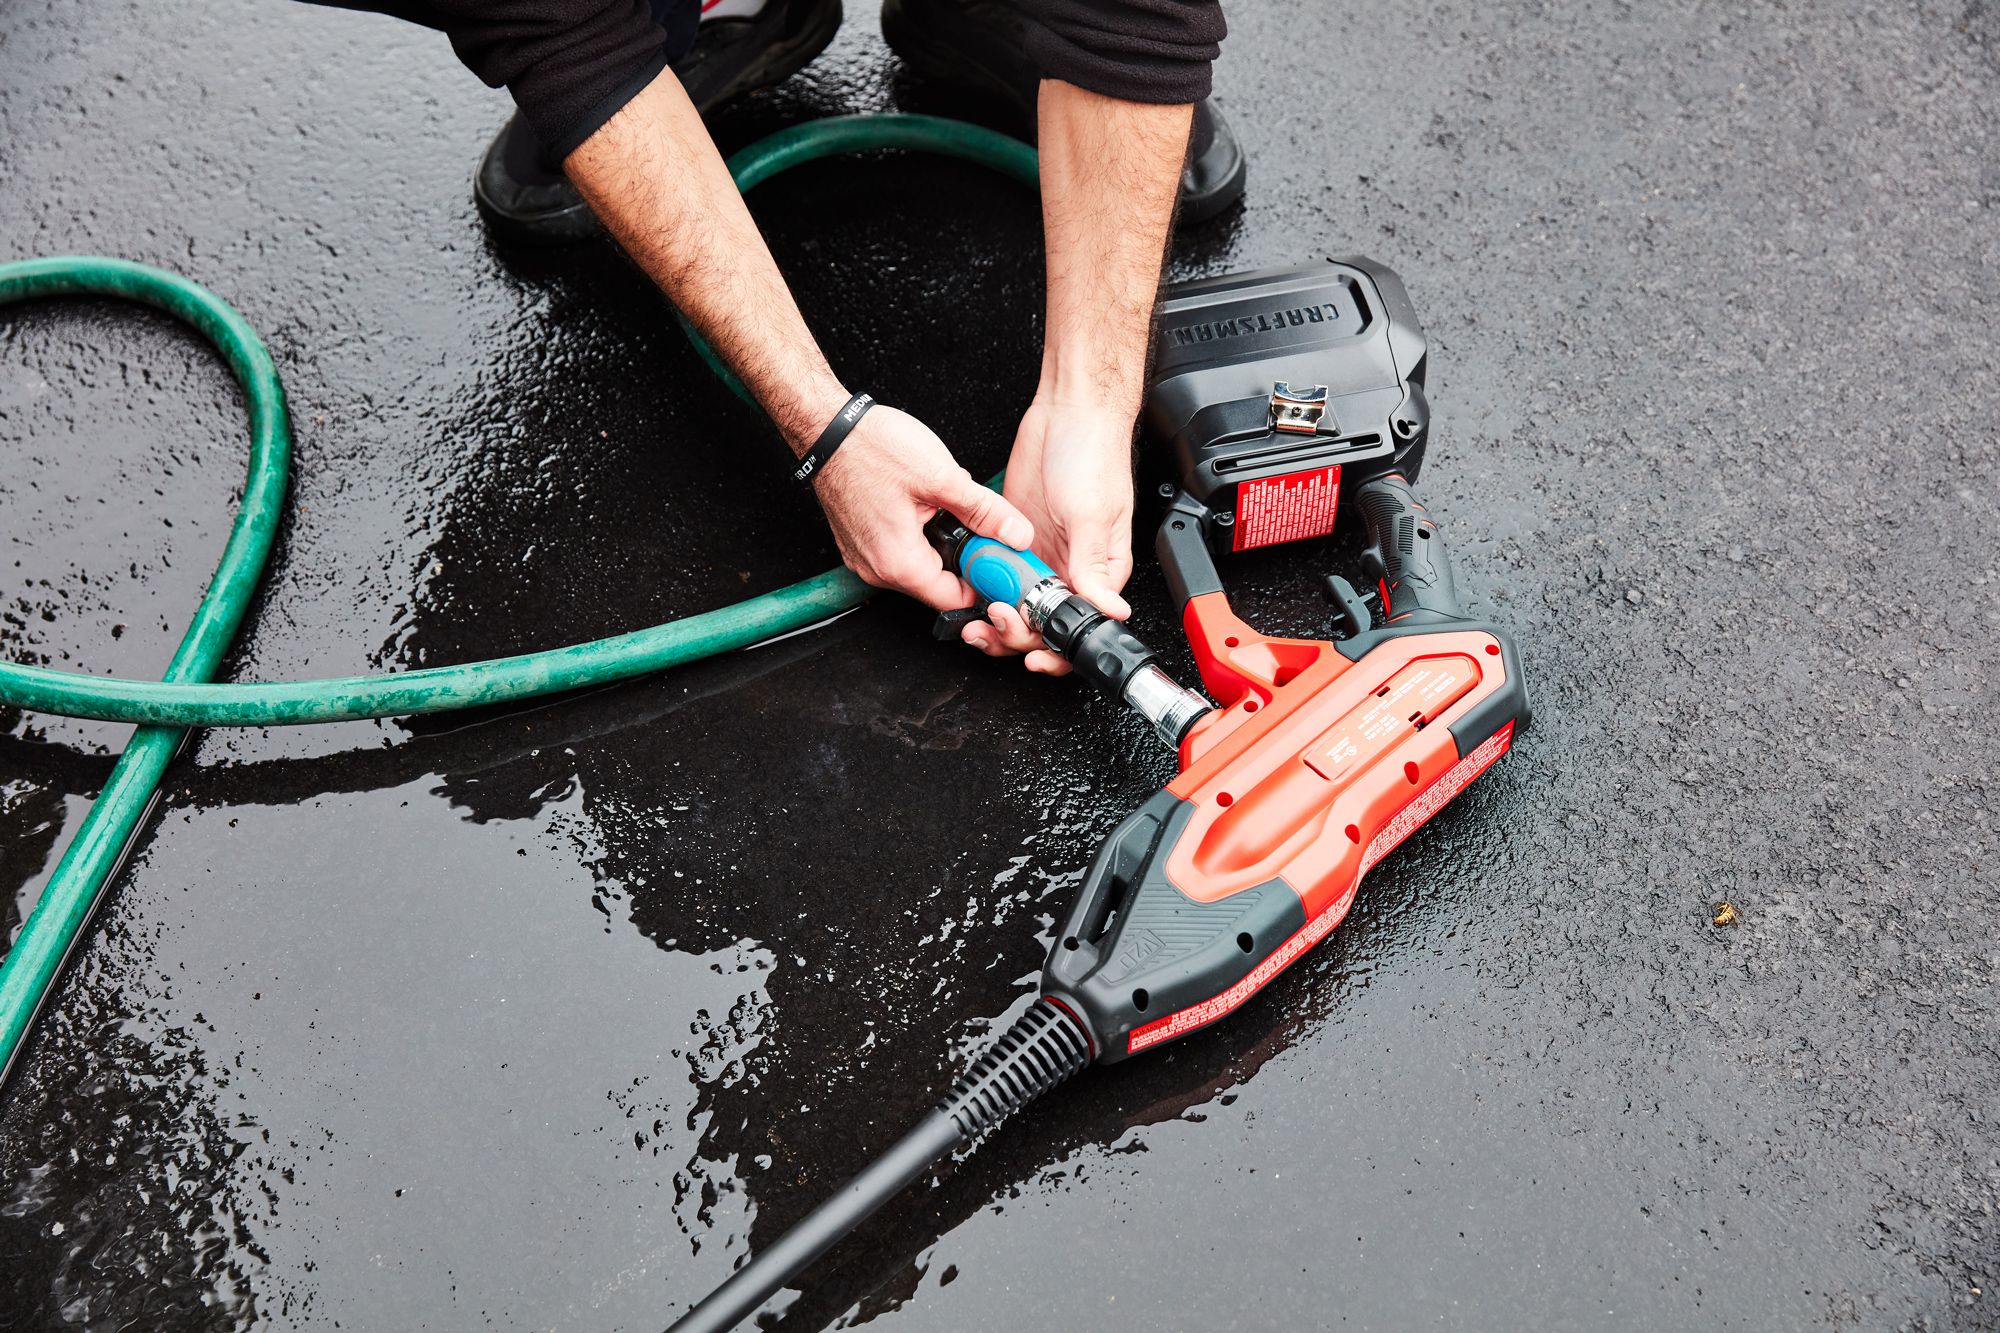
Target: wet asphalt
column 539, row 1019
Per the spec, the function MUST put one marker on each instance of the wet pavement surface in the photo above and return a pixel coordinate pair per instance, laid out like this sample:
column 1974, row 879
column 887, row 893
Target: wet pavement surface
column 539, row 1019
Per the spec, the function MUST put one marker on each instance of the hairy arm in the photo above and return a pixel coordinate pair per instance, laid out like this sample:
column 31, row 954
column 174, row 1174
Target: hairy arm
column 654, row 177
column 1111, row 173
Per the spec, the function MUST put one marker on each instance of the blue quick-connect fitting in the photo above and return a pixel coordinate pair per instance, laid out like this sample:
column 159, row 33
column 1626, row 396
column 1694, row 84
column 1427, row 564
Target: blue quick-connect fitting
column 998, row 572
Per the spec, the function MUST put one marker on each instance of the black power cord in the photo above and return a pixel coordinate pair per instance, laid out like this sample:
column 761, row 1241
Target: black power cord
column 1045, row 1045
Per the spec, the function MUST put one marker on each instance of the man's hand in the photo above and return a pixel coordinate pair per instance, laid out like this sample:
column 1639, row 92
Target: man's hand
column 884, row 484
column 1071, row 474
column 1110, row 170
column 654, row 176
column 1110, row 173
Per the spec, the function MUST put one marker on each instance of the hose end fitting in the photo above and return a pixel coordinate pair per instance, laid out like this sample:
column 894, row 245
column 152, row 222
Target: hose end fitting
column 1045, row 1045
column 1171, row 707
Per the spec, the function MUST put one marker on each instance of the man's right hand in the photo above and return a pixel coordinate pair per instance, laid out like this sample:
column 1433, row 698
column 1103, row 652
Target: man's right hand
column 881, row 487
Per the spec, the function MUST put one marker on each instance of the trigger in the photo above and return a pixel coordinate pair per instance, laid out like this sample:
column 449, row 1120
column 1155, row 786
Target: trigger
column 951, row 625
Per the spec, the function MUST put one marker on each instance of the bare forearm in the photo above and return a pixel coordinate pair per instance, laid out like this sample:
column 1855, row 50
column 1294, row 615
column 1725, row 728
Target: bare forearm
column 1110, row 174
column 654, row 177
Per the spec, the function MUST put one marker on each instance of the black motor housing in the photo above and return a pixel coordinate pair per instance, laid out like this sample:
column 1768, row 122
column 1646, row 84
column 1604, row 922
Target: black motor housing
column 1232, row 399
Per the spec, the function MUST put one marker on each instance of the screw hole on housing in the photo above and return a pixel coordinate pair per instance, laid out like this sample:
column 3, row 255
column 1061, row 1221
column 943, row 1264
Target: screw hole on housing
column 1249, row 705
column 1179, row 525
column 1424, row 533
column 1231, row 641
column 1410, row 772
column 1245, row 943
column 1493, row 650
column 1072, row 943
column 1224, row 798
column 1140, row 999
column 1354, row 833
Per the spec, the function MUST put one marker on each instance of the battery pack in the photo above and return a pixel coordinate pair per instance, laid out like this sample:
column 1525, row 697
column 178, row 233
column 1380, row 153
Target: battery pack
column 1275, row 391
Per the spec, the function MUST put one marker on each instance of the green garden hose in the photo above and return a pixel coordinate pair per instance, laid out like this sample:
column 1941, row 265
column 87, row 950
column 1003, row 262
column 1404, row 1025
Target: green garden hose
column 165, row 709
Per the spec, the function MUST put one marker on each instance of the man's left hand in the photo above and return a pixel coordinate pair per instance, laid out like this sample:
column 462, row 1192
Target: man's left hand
column 1071, row 474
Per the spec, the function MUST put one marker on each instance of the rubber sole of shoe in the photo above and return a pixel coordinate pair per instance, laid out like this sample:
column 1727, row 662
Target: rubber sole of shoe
column 1212, row 199
column 932, row 55
column 781, row 59
column 772, row 66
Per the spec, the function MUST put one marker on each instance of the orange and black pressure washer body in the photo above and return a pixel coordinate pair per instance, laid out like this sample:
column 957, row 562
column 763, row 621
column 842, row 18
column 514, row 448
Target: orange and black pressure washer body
column 1291, row 403
column 1289, row 400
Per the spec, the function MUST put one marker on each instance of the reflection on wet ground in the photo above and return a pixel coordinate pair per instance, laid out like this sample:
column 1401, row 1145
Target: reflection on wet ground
column 542, row 1018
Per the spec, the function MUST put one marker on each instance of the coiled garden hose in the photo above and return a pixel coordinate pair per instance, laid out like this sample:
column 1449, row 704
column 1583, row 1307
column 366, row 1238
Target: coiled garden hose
column 184, row 698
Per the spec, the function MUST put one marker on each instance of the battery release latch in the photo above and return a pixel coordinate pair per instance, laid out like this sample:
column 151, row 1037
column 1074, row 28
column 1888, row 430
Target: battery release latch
column 1297, row 410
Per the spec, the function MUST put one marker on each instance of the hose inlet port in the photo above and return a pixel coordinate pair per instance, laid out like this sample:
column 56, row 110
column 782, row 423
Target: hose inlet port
column 1166, row 703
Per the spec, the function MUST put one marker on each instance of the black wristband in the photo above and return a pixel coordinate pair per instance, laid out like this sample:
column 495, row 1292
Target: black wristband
column 829, row 439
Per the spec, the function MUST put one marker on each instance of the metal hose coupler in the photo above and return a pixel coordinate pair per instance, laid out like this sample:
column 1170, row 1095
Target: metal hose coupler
column 1101, row 649
column 1170, row 706
column 1114, row 659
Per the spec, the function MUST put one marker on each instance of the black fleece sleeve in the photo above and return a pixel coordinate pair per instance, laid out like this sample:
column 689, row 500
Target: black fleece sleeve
column 1138, row 50
column 570, row 64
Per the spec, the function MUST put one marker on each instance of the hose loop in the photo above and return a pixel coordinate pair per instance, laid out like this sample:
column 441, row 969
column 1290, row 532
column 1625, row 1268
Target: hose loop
column 187, row 698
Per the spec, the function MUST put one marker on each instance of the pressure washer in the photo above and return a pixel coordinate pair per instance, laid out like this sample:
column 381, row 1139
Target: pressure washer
column 1290, row 405
column 1288, row 400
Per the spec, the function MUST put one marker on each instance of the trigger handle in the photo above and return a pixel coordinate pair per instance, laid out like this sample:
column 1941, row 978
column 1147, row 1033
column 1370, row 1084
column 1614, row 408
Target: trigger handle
column 1406, row 553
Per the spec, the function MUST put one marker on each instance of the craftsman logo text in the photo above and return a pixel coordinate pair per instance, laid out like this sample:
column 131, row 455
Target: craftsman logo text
column 1243, row 325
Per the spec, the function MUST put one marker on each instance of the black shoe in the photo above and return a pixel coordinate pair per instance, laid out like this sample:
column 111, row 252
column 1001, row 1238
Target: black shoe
column 525, row 197
column 978, row 46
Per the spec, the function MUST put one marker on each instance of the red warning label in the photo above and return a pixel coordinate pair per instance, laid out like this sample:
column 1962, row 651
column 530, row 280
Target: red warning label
column 1286, row 509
